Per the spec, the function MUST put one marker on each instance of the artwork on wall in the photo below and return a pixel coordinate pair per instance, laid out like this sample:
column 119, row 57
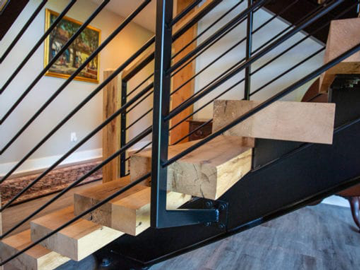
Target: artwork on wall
column 83, row 46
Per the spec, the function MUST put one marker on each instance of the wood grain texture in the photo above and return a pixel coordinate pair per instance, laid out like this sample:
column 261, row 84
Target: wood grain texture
column 111, row 132
column 78, row 240
column 288, row 121
column 208, row 171
column 128, row 213
column 184, row 75
column 343, row 35
column 34, row 259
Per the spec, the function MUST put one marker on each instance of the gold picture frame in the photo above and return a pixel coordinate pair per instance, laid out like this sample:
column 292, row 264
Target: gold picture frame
column 83, row 46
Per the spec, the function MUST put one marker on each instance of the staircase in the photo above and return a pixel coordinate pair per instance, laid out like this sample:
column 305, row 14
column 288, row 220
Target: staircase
column 263, row 159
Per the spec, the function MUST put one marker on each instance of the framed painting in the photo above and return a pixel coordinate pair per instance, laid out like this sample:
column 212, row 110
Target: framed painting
column 77, row 53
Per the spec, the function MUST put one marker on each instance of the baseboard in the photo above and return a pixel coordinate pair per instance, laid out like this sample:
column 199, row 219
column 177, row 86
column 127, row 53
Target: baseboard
column 39, row 164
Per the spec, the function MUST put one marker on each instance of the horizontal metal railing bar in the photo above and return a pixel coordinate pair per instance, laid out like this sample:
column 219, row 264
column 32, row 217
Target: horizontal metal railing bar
column 218, row 33
column 137, row 120
column 208, row 28
column 96, row 206
column 242, row 80
column 228, row 31
column 185, row 12
column 138, row 151
column 256, row 30
column 234, row 46
column 287, row 71
column 53, row 61
column 176, row 35
column 149, row 87
column 223, row 54
column 196, row 19
column 253, row 58
column 140, row 84
column 192, row 132
column 37, row 45
column 72, row 150
column 70, row 79
column 23, row 30
column 139, row 67
column 82, row 178
column 75, row 110
column 257, row 70
column 266, row 103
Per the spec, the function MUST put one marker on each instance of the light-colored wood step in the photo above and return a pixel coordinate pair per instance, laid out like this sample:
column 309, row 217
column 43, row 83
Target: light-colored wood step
column 34, row 259
column 78, row 240
column 289, row 121
column 129, row 212
column 343, row 35
column 207, row 172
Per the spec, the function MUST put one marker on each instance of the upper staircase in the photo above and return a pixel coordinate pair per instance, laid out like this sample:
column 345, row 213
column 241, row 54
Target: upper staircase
column 235, row 178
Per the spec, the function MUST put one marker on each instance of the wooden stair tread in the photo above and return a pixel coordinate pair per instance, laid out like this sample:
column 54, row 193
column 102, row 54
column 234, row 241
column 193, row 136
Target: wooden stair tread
column 207, row 172
column 129, row 213
column 343, row 35
column 38, row 257
column 283, row 120
column 78, row 240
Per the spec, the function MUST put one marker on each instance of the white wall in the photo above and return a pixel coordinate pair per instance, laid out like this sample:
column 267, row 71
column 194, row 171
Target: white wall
column 125, row 44
column 277, row 67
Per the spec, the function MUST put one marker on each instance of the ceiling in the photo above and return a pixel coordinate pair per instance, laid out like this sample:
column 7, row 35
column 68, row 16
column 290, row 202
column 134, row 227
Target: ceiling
column 124, row 8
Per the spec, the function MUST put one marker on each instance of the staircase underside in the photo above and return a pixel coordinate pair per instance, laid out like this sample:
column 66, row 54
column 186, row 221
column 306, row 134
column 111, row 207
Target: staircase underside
column 297, row 180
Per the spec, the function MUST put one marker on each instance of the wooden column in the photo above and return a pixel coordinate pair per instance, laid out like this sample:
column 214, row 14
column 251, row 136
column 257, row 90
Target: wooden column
column 111, row 133
column 187, row 90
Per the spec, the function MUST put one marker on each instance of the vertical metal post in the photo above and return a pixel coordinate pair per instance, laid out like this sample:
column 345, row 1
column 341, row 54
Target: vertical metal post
column 249, row 30
column 160, row 217
column 123, row 128
column 160, row 140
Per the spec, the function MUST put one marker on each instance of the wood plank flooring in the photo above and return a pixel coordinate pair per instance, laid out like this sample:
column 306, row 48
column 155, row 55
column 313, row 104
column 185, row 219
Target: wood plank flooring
column 318, row 238
column 15, row 214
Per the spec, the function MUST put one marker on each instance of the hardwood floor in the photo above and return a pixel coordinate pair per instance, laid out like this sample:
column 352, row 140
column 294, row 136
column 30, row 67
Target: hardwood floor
column 15, row 214
column 323, row 237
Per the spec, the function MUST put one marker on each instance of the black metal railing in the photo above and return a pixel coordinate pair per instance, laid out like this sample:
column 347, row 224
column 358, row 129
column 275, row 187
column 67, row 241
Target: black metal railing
column 164, row 71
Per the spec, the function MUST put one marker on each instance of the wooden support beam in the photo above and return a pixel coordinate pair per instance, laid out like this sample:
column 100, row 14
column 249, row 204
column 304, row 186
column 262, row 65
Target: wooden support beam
column 288, row 121
column 185, row 74
column 207, row 172
column 111, row 132
column 343, row 35
column 78, row 240
column 129, row 212
column 37, row 258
